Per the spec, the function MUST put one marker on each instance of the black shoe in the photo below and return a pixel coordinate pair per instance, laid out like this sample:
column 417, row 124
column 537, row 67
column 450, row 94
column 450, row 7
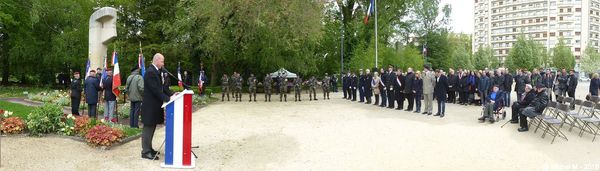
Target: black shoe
column 299, row 100
column 358, row 101
column 442, row 115
column 407, row 110
column 149, row 156
column 154, row 152
column 424, row 113
column 398, row 108
column 437, row 114
column 429, row 113
column 523, row 129
column 514, row 121
column 482, row 118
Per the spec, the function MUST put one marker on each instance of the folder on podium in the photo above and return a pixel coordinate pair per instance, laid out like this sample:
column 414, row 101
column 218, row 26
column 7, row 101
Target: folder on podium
column 178, row 132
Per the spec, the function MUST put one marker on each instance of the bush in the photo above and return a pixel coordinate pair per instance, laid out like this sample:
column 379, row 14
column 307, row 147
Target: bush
column 81, row 125
column 124, row 111
column 58, row 97
column 12, row 125
column 68, row 126
column 44, row 119
column 102, row 135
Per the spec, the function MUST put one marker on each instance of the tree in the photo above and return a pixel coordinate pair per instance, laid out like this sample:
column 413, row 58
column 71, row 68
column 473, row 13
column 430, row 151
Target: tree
column 563, row 56
column 482, row 57
column 523, row 54
column 591, row 60
column 462, row 58
column 438, row 50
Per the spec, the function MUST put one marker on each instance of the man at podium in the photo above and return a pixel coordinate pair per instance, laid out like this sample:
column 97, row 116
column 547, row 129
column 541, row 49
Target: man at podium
column 155, row 94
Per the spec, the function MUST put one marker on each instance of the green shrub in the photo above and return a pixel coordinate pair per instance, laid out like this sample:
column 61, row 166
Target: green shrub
column 44, row 119
column 124, row 110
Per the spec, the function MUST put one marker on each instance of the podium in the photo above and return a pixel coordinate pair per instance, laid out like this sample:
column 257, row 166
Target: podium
column 178, row 132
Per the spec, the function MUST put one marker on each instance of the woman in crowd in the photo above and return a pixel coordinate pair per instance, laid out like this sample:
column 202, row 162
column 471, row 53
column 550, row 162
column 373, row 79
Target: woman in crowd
column 418, row 91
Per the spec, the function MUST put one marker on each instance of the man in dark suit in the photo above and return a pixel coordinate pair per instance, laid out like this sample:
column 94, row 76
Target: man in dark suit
column 519, row 105
column 439, row 92
column 155, row 94
column 408, row 89
column 92, row 87
column 398, row 89
column 75, row 93
column 390, row 79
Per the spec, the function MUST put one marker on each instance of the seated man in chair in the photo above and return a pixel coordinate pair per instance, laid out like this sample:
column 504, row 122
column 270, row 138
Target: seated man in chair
column 536, row 107
column 518, row 106
column 494, row 104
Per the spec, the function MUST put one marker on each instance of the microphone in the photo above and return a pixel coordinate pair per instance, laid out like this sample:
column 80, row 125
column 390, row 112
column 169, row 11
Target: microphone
column 185, row 86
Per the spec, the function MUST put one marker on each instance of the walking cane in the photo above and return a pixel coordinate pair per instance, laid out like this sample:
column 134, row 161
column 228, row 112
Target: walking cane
column 504, row 123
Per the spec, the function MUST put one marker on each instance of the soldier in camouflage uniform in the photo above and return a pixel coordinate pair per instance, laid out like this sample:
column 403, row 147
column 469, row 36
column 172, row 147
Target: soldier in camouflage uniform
column 238, row 87
column 267, row 83
column 326, row 82
column 297, row 88
column 252, row 87
column 224, row 87
column 312, row 84
column 283, row 87
column 232, row 84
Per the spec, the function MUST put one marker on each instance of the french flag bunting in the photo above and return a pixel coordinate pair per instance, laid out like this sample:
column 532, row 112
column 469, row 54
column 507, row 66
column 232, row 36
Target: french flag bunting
column 141, row 64
column 370, row 11
column 116, row 75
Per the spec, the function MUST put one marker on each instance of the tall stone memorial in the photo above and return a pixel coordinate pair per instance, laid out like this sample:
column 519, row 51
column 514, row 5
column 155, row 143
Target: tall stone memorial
column 103, row 30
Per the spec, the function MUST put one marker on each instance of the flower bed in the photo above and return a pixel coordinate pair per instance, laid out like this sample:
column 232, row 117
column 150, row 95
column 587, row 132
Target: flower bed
column 11, row 124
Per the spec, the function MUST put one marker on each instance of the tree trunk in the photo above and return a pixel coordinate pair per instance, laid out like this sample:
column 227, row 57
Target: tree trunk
column 213, row 74
column 5, row 69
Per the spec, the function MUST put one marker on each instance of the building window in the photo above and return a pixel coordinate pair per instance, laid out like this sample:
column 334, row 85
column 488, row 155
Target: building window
column 552, row 18
column 552, row 34
column 577, row 33
column 568, row 9
column 560, row 34
column 577, row 49
column 561, row 10
column 577, row 9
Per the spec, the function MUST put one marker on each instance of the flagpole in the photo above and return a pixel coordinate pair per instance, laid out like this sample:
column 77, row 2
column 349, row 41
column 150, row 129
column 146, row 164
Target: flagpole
column 376, row 51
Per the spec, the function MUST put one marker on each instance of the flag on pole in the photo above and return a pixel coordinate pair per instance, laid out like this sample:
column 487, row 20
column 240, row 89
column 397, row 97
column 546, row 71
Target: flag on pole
column 370, row 11
column 103, row 73
column 179, row 75
column 141, row 64
column 116, row 75
column 87, row 69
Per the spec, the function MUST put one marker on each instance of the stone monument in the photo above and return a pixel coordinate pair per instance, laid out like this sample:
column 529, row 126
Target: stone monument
column 103, row 30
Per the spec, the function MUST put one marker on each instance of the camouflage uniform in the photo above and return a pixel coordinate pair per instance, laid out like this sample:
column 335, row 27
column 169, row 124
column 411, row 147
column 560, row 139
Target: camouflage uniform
column 224, row 87
column 283, row 88
column 297, row 89
column 326, row 82
column 267, row 83
column 232, row 84
column 312, row 85
column 252, row 87
column 238, row 88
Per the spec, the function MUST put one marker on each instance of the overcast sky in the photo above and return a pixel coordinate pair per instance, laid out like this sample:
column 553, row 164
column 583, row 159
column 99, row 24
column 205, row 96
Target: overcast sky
column 462, row 15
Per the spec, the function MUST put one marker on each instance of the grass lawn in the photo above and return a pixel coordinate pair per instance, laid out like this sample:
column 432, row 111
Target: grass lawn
column 18, row 110
column 13, row 91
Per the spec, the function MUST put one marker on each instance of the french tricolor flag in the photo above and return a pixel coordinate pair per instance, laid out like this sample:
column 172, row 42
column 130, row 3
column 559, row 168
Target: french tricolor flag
column 178, row 132
column 116, row 75
column 370, row 11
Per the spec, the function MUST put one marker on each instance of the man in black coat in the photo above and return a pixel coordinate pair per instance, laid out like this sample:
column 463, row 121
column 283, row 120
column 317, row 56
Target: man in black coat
column 409, row 89
column 382, row 88
column 92, row 87
column 344, row 84
column 439, row 93
column 571, row 84
column 452, row 85
column 367, row 86
column 75, row 93
column 399, row 88
column 390, row 79
column 155, row 94
column 520, row 83
column 463, row 88
column 361, row 86
column 536, row 107
column 519, row 105
column 562, row 83
column 353, row 86
column 508, row 82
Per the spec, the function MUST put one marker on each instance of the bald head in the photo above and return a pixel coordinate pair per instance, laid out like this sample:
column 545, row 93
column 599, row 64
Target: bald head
column 158, row 60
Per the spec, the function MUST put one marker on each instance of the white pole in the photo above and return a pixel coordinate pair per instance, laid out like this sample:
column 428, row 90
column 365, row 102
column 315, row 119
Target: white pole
column 376, row 51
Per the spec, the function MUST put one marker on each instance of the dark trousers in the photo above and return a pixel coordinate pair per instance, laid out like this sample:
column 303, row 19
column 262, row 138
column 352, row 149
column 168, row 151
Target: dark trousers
column 399, row 99
column 462, row 98
column 361, row 93
column 92, row 110
column 75, row 105
column 411, row 100
column 147, row 136
column 383, row 97
column 451, row 96
column 353, row 94
column 483, row 97
column 345, row 90
column 391, row 98
column 516, row 110
column 376, row 99
column 441, row 107
column 519, row 95
column 335, row 87
column 134, row 114
column 418, row 102
column 507, row 99
column 571, row 94
column 523, row 121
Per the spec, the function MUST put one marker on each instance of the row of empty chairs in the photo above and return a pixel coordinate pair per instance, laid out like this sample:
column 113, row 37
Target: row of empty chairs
column 574, row 113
